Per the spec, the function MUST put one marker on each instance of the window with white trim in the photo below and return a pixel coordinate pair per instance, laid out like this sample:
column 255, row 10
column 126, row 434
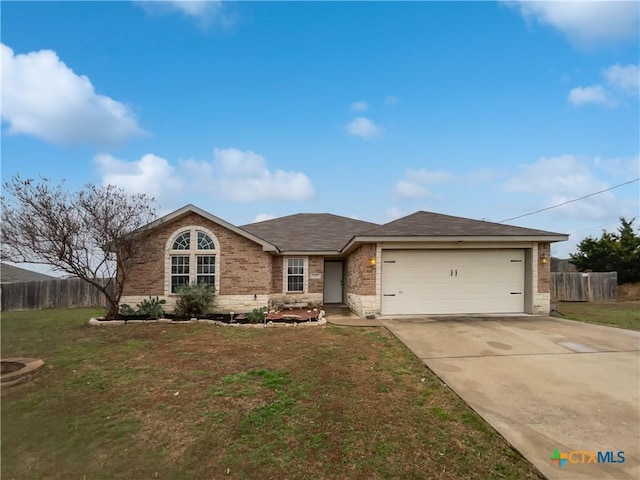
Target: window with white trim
column 191, row 259
column 295, row 274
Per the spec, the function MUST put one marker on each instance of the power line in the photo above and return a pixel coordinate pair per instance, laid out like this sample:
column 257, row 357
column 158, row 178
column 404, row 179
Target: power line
column 593, row 228
column 570, row 201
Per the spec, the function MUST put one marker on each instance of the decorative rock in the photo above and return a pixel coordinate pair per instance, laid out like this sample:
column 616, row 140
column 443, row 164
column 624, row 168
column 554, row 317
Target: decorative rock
column 322, row 321
column 112, row 322
column 165, row 320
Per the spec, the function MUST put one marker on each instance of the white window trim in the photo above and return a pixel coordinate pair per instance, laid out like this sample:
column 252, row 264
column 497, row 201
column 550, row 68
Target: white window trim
column 305, row 275
column 193, row 252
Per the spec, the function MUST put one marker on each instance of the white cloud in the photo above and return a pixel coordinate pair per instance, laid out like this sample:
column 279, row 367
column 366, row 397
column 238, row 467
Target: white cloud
column 407, row 189
column 563, row 178
column 624, row 78
column 429, row 177
column 43, row 97
column 594, row 94
column 151, row 174
column 233, row 174
column 204, row 11
column 263, row 217
column 415, row 182
column 360, row 106
column 393, row 213
column 246, row 178
column 584, row 23
column 364, row 128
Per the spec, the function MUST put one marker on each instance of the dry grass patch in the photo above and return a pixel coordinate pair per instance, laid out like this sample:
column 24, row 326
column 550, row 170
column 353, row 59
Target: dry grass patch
column 196, row 401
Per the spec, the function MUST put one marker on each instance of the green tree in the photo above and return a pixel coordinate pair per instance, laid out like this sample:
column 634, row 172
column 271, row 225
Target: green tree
column 619, row 252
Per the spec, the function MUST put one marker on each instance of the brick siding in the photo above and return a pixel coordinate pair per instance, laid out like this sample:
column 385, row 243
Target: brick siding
column 245, row 269
column 361, row 275
column 544, row 269
column 316, row 265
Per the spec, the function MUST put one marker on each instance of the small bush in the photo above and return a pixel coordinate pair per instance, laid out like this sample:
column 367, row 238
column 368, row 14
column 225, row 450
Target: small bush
column 151, row 307
column 257, row 315
column 125, row 309
column 194, row 299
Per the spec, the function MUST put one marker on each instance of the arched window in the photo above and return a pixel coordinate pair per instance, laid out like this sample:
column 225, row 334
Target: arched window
column 182, row 241
column 191, row 258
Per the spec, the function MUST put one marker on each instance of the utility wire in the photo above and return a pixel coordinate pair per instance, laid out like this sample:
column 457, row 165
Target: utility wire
column 593, row 228
column 570, row 201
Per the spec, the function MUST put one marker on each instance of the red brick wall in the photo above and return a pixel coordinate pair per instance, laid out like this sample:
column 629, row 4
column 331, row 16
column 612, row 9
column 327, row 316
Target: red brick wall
column 544, row 269
column 361, row 275
column 244, row 268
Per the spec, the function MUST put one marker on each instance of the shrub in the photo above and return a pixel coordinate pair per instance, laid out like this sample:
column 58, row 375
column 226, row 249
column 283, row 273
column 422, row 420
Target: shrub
column 194, row 299
column 125, row 309
column 257, row 315
column 151, row 307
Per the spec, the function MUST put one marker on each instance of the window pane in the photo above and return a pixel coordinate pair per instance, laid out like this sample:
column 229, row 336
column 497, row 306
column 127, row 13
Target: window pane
column 177, row 281
column 205, row 242
column 208, row 279
column 182, row 241
column 180, row 265
column 295, row 274
column 206, row 264
column 295, row 266
column 295, row 283
column 179, row 271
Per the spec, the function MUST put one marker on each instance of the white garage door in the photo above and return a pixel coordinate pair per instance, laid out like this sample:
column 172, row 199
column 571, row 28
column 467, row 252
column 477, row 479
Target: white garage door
column 452, row 281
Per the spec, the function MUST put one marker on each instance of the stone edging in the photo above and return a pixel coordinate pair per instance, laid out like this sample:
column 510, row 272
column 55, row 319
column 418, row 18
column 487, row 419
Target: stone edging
column 32, row 367
column 97, row 323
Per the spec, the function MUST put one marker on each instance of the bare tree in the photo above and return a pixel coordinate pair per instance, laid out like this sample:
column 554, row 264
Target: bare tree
column 93, row 234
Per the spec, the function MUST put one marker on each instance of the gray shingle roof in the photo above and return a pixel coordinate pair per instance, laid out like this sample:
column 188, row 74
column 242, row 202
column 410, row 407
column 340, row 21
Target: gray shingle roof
column 309, row 232
column 13, row 274
column 437, row 225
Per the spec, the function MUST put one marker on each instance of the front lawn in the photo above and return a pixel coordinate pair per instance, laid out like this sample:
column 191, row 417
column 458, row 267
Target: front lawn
column 616, row 314
column 200, row 402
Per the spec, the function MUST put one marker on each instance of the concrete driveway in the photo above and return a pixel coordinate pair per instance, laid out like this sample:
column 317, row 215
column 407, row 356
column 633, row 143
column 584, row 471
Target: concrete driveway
column 543, row 383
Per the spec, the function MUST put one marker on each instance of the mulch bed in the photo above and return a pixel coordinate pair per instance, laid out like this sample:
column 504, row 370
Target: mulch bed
column 290, row 315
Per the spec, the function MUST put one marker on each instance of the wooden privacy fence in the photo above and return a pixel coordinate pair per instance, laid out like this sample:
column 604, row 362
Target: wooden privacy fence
column 59, row 293
column 584, row 287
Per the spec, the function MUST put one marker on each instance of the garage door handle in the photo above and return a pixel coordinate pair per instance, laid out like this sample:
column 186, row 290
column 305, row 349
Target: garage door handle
column 516, row 293
column 452, row 273
column 389, row 295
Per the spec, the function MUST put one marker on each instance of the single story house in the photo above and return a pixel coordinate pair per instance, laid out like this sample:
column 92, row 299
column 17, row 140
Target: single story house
column 424, row 263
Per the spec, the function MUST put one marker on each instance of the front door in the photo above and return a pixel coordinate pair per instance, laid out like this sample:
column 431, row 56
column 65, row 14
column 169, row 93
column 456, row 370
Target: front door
column 333, row 282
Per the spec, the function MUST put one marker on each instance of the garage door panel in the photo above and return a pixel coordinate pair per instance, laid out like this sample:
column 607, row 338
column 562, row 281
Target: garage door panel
column 452, row 281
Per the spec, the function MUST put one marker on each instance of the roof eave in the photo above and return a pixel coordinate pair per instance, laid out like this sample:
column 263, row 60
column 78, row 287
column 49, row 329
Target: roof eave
column 304, row 253
column 357, row 240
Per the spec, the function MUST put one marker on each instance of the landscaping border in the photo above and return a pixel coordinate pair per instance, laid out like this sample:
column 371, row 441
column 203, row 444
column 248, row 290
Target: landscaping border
column 96, row 322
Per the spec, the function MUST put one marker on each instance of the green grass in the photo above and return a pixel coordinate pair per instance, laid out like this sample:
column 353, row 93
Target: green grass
column 620, row 314
column 195, row 401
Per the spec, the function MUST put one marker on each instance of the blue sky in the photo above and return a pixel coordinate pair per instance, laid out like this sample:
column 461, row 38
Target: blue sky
column 370, row 110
